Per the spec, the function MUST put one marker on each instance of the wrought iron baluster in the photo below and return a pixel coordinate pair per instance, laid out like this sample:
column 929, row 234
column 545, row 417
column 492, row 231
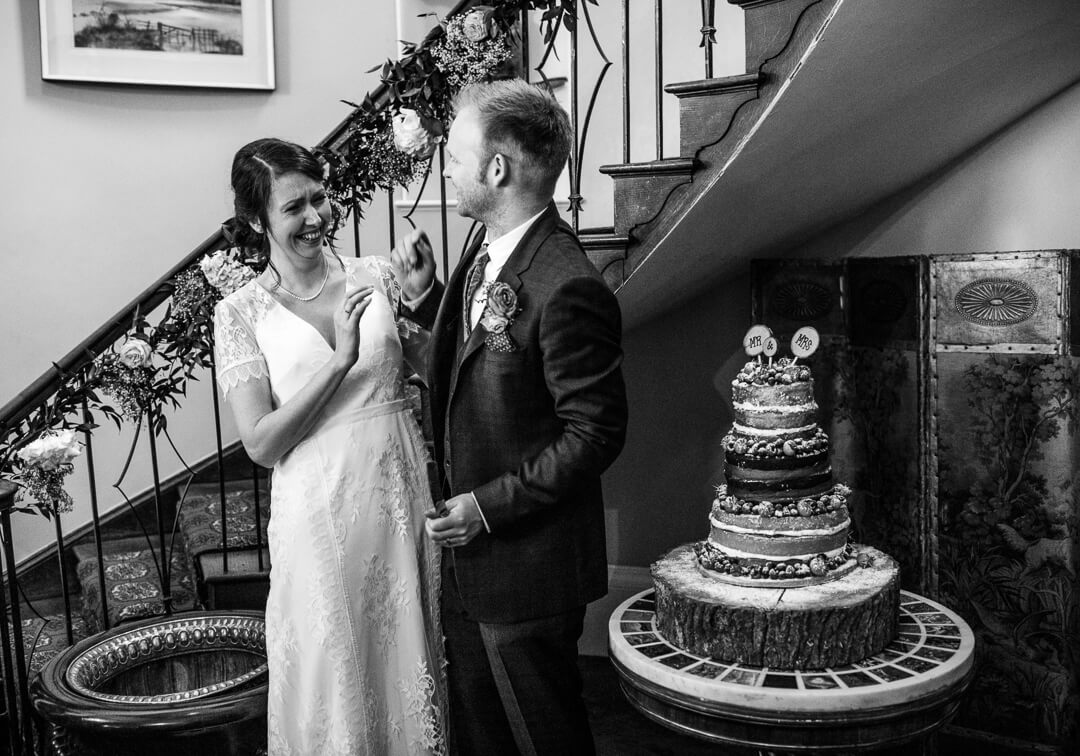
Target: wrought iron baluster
column 626, row 80
column 258, row 514
column 390, row 215
column 523, row 23
column 19, row 716
column 220, row 465
column 166, row 579
column 7, row 500
column 355, row 215
column 88, row 443
column 64, row 588
column 442, row 213
column 580, row 142
column 659, row 32
column 575, row 168
column 708, row 33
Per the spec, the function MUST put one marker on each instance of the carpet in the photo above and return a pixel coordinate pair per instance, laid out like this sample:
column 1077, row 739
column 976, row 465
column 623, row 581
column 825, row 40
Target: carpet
column 132, row 582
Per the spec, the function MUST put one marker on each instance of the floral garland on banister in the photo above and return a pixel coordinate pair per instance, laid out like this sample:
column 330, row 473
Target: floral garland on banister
column 387, row 145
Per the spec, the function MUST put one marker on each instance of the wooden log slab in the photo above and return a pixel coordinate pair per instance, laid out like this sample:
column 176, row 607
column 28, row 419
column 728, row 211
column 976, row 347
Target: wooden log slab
column 809, row 627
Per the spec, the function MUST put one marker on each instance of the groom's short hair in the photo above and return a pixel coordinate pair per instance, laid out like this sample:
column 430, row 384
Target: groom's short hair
column 521, row 120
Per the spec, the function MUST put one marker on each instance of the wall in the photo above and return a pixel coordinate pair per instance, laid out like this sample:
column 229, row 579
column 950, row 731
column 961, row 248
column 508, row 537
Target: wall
column 134, row 177
column 1018, row 190
column 108, row 186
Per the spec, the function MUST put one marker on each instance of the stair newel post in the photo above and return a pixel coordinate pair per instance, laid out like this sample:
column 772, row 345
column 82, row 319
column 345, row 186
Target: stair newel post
column 88, row 444
column 575, row 167
column 166, row 579
column 626, row 81
column 258, row 514
column 708, row 33
column 220, row 467
column 14, row 669
column 62, row 563
column 659, row 32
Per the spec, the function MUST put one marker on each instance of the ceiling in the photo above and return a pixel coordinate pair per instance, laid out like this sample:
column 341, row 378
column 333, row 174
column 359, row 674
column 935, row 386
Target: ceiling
column 892, row 92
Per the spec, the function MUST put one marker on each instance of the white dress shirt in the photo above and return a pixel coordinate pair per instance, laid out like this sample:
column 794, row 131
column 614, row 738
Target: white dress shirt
column 498, row 253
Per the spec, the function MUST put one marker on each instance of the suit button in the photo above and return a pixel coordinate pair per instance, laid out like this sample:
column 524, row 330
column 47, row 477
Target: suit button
column 446, row 464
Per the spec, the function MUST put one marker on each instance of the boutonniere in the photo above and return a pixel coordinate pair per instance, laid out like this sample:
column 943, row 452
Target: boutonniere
column 498, row 316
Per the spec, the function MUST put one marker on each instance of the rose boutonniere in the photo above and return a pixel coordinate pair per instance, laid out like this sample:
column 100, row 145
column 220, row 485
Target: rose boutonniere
column 498, row 316
column 501, row 308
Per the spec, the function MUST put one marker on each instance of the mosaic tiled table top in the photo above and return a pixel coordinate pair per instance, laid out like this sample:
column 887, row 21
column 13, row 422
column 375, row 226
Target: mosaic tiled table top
column 931, row 653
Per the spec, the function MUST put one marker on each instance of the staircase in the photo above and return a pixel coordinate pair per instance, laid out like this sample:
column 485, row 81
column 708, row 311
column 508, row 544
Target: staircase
column 725, row 192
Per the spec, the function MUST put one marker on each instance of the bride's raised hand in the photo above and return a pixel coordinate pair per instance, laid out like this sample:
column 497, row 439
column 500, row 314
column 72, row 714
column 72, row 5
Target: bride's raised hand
column 347, row 326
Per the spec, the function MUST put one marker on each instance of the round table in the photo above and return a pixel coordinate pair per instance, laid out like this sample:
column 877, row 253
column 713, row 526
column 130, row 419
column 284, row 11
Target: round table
column 897, row 696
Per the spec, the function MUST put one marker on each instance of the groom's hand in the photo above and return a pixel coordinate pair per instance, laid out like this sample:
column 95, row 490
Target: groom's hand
column 413, row 261
column 459, row 525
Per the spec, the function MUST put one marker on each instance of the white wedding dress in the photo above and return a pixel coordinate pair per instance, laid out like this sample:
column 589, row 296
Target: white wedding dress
column 352, row 638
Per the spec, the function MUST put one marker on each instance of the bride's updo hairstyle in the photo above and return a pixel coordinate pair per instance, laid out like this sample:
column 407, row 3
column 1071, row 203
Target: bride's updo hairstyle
column 254, row 168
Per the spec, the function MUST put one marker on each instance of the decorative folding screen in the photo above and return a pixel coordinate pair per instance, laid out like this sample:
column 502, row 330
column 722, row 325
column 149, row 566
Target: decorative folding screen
column 951, row 394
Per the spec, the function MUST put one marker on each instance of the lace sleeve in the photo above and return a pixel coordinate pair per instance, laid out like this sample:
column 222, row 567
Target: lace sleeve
column 381, row 269
column 236, row 354
column 413, row 338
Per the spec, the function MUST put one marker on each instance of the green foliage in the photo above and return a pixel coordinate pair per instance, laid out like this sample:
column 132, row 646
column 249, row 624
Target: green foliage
column 182, row 341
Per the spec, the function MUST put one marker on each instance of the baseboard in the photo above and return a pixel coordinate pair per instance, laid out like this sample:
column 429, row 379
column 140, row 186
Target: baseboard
column 623, row 582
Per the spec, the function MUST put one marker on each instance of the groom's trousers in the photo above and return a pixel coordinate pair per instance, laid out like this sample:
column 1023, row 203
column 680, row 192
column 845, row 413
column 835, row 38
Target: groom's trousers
column 514, row 687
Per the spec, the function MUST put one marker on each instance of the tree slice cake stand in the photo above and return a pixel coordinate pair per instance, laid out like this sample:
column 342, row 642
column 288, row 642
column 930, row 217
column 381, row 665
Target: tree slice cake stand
column 898, row 695
column 829, row 623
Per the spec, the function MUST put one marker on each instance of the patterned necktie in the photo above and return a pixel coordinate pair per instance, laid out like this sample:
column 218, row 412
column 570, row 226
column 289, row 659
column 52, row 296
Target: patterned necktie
column 473, row 279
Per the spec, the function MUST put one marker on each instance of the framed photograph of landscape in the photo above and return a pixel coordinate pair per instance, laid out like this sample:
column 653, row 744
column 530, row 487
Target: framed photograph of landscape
column 181, row 43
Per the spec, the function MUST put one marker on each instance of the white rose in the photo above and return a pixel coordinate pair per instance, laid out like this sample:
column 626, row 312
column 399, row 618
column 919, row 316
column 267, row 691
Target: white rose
column 135, row 353
column 411, row 136
column 51, row 450
column 477, row 25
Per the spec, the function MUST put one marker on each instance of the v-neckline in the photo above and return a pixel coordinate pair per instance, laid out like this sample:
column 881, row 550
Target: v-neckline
column 350, row 274
column 305, row 321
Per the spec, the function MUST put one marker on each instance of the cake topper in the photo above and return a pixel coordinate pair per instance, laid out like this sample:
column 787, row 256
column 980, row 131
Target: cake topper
column 804, row 343
column 754, row 340
column 770, row 348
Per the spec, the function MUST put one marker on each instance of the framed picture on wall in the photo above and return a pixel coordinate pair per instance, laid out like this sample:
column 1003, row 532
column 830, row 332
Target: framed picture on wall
column 181, row 43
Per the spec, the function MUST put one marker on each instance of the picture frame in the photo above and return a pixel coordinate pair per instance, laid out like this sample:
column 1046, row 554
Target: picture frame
column 226, row 44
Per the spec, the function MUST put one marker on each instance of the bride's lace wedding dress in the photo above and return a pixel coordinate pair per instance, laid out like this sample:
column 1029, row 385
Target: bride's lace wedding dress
column 351, row 620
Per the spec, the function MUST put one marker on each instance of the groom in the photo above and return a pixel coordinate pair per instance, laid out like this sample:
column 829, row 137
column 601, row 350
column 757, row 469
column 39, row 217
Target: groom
column 529, row 408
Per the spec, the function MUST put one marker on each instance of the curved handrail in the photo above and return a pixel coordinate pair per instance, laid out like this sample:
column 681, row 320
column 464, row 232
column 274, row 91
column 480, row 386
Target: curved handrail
column 24, row 403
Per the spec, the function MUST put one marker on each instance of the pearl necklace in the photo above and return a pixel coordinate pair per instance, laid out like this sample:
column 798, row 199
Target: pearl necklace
column 326, row 277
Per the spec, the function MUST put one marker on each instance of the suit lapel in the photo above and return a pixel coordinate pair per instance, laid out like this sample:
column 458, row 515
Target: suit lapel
column 518, row 262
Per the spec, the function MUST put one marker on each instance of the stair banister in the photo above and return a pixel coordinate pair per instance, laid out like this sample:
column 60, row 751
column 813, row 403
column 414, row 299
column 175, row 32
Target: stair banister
column 27, row 400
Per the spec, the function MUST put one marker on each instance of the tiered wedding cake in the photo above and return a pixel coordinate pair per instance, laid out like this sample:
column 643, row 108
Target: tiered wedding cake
column 777, row 583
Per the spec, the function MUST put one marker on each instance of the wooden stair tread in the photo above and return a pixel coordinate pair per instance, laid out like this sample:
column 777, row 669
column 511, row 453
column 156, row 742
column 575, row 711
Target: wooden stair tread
column 717, row 86
column 243, row 565
column 662, row 167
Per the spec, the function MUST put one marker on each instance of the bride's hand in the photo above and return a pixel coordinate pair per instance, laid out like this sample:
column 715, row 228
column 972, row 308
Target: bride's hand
column 347, row 326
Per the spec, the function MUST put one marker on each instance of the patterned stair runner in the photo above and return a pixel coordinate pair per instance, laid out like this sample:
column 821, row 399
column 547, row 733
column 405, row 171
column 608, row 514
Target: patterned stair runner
column 131, row 581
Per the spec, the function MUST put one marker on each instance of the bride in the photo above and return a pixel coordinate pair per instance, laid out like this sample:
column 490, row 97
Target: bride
column 310, row 358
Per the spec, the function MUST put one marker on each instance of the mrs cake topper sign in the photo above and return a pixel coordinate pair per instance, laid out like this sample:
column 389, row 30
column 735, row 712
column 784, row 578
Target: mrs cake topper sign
column 759, row 340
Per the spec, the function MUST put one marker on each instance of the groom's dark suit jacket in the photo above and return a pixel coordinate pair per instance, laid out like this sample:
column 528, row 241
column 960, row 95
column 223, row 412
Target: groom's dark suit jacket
column 530, row 431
